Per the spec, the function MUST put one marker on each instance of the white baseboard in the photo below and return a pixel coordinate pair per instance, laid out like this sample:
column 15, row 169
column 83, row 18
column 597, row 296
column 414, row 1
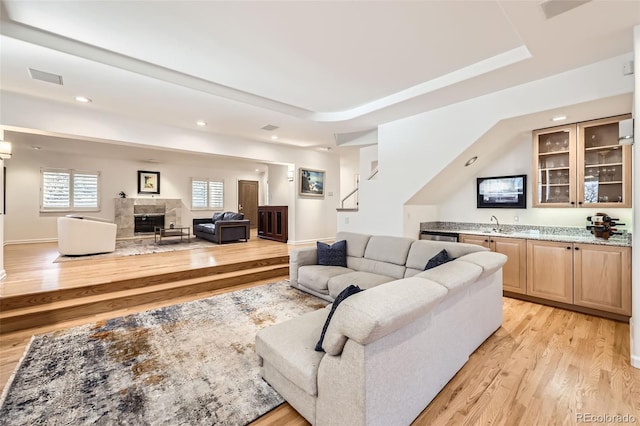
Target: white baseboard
column 43, row 240
column 300, row 242
column 635, row 361
column 635, row 358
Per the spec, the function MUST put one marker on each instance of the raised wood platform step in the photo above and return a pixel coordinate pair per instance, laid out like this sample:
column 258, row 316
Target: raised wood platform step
column 35, row 310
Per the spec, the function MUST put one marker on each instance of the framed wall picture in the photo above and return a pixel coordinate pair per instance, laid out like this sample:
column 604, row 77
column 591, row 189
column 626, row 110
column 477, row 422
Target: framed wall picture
column 148, row 182
column 311, row 182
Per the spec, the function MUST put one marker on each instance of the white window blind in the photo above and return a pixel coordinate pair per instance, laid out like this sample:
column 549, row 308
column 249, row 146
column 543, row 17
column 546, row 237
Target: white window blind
column 207, row 194
column 67, row 190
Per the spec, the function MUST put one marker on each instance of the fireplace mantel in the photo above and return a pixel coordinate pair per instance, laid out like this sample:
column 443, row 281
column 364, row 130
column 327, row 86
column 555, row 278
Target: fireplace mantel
column 124, row 211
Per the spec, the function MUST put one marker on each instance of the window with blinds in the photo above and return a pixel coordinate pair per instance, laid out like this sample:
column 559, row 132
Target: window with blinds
column 69, row 190
column 207, row 194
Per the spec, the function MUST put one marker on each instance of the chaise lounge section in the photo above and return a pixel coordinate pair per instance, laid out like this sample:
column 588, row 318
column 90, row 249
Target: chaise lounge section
column 84, row 235
column 389, row 349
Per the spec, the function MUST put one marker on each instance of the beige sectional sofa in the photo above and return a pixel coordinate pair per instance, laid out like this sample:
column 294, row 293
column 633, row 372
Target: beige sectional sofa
column 390, row 349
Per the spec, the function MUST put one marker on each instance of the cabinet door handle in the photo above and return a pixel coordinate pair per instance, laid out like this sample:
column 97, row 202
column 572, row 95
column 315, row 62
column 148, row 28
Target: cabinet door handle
column 580, row 202
column 568, row 248
column 573, row 203
column 576, row 248
column 492, row 241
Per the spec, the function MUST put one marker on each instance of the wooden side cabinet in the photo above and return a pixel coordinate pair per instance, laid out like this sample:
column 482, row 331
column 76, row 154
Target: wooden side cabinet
column 273, row 223
column 602, row 278
column 514, row 272
column 550, row 270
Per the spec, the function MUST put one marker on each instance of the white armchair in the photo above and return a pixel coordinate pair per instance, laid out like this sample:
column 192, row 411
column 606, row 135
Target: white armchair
column 78, row 235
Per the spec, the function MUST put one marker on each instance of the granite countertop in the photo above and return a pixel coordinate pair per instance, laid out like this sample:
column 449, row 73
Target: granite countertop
column 544, row 233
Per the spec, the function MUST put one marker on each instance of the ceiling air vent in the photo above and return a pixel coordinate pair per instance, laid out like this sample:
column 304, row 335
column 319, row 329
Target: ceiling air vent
column 270, row 127
column 45, row 76
column 553, row 8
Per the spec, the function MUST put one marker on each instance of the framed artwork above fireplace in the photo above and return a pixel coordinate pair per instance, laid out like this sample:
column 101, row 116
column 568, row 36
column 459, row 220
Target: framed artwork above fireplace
column 148, row 182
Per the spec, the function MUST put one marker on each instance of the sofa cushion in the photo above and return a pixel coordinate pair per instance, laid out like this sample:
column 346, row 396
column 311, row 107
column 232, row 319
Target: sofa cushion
column 232, row 216
column 376, row 267
column 332, row 255
column 290, row 347
column 364, row 280
column 356, row 243
column 208, row 228
column 217, row 216
column 489, row 261
column 349, row 291
column 388, row 249
column 316, row 277
column 370, row 315
column 423, row 250
column 453, row 275
column 439, row 259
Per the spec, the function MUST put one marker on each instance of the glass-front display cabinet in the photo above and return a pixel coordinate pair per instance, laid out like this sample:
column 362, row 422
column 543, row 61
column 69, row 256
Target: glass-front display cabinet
column 554, row 162
column 581, row 164
column 605, row 165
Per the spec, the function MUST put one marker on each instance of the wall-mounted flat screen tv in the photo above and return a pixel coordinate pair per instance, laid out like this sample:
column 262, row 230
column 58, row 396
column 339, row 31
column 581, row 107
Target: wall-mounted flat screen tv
column 506, row 192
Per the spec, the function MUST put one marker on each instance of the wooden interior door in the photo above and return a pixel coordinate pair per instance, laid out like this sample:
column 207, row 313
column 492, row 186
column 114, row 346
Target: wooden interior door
column 248, row 200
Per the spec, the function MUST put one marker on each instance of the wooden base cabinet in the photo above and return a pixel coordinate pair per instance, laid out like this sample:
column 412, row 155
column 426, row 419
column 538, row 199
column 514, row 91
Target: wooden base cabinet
column 273, row 223
column 514, row 272
column 550, row 270
column 590, row 276
column 602, row 278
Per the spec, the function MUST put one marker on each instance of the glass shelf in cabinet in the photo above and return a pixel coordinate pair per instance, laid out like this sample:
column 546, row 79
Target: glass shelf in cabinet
column 603, row 147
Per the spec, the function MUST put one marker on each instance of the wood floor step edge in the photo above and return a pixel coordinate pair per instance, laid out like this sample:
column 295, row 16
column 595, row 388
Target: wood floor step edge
column 17, row 301
column 84, row 300
column 89, row 310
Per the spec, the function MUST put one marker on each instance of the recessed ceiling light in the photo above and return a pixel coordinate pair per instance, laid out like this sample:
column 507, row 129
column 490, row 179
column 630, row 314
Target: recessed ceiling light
column 559, row 118
column 470, row 161
column 201, row 123
column 36, row 147
column 82, row 99
column 257, row 170
column 274, row 137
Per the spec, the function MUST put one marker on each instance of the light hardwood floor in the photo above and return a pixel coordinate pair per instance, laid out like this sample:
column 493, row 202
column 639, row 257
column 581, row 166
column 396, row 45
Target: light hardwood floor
column 544, row 366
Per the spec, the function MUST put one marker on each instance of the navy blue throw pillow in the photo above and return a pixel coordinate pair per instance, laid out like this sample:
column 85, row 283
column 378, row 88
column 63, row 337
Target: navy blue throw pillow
column 332, row 255
column 439, row 259
column 349, row 291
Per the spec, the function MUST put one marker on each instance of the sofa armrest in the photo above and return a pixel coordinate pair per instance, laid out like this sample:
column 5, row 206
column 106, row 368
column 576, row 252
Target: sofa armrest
column 489, row 261
column 372, row 314
column 231, row 222
column 301, row 257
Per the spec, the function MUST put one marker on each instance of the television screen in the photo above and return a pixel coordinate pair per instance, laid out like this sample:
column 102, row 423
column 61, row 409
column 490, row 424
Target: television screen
column 502, row 192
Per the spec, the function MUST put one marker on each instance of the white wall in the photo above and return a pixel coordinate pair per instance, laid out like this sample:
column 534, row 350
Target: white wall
column 316, row 217
column 25, row 223
column 352, row 221
column 349, row 168
column 461, row 206
column 635, row 283
column 280, row 188
column 413, row 150
column 3, row 273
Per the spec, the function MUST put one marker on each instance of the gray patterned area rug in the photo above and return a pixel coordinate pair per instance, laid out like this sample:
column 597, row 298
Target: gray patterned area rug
column 142, row 246
column 187, row 364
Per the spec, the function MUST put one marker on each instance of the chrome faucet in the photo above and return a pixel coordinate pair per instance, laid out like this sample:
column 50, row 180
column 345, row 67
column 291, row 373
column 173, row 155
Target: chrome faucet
column 497, row 227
